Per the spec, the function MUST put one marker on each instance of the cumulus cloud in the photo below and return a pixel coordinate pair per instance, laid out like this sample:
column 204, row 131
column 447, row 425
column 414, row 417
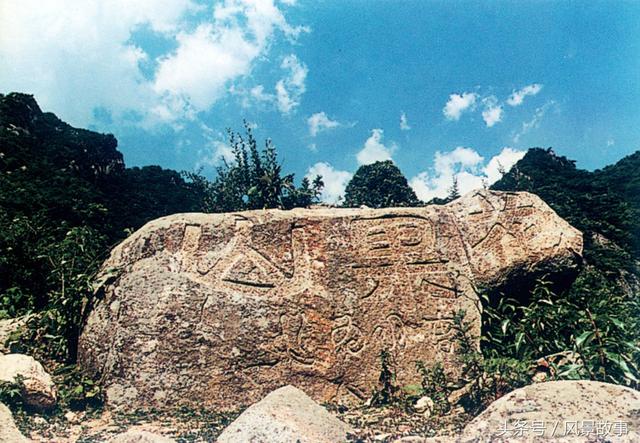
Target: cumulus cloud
column 213, row 154
column 517, row 97
column 374, row 150
column 534, row 122
column 492, row 112
column 404, row 124
column 319, row 122
column 335, row 181
column 465, row 165
column 83, row 49
column 459, row 103
column 289, row 90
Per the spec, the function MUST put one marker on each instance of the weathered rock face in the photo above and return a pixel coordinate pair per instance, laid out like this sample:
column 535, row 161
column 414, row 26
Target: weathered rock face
column 9, row 432
column 9, row 327
column 139, row 436
column 287, row 415
column 576, row 411
column 218, row 310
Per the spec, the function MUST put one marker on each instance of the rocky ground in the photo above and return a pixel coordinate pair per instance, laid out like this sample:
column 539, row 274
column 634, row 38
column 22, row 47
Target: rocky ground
column 573, row 411
column 369, row 424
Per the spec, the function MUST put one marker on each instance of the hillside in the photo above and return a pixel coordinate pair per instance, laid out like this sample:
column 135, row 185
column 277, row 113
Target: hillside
column 604, row 204
column 597, row 316
column 66, row 197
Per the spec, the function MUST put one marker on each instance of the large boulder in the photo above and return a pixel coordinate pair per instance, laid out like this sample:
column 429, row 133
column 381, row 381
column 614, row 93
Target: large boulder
column 287, row 415
column 575, row 411
column 38, row 389
column 218, row 310
column 9, row 432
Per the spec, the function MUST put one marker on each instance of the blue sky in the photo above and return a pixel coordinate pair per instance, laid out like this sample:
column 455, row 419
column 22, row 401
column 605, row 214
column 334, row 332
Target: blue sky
column 443, row 88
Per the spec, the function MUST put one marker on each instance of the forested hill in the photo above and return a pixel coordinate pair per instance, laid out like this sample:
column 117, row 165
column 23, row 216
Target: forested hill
column 604, row 204
column 66, row 198
column 58, row 182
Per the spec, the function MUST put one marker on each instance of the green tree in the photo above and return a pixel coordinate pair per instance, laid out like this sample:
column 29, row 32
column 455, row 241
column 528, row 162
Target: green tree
column 379, row 185
column 454, row 190
column 252, row 179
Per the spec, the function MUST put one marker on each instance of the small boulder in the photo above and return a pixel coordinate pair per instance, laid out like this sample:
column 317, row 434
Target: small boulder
column 139, row 436
column 571, row 410
column 425, row 405
column 38, row 389
column 286, row 415
column 9, row 432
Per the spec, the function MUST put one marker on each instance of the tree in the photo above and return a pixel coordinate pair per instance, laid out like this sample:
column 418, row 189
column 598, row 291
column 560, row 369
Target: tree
column 379, row 185
column 454, row 191
column 253, row 179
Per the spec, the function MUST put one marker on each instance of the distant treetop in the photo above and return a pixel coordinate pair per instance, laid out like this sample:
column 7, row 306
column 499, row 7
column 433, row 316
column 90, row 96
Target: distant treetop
column 379, row 185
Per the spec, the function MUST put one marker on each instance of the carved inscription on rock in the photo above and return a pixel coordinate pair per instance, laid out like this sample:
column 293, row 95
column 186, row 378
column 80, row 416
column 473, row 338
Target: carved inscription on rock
column 218, row 310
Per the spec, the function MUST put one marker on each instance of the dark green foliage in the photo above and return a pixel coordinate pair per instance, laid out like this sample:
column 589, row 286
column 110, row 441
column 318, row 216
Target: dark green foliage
column 253, row 180
column 482, row 377
column 389, row 392
column 65, row 199
column 379, row 185
column 72, row 261
column 435, row 384
column 11, row 393
column 594, row 319
column 76, row 391
column 454, row 190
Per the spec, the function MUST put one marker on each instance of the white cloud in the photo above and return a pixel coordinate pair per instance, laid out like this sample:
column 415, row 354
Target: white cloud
column 467, row 166
column 335, row 181
column 517, row 97
column 459, row 103
column 257, row 92
column 611, row 142
column 534, row 122
column 82, row 49
column 404, row 124
column 374, row 150
column 214, row 154
column 492, row 112
column 203, row 63
column 501, row 163
column 289, row 90
column 319, row 122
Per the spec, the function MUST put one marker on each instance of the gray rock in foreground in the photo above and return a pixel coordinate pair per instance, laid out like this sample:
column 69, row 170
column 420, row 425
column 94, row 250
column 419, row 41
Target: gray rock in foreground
column 286, row 415
column 139, row 436
column 560, row 411
column 9, row 432
column 38, row 389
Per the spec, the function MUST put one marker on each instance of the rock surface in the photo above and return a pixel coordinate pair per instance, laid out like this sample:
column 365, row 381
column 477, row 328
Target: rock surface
column 9, row 432
column 38, row 389
column 8, row 327
column 139, row 436
column 576, row 411
column 287, row 415
column 218, row 310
